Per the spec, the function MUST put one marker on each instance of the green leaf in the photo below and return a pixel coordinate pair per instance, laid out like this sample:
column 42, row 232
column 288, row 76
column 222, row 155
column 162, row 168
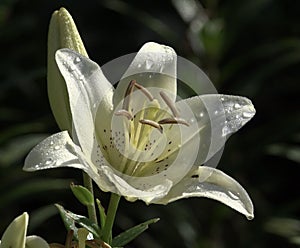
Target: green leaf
column 130, row 234
column 68, row 221
column 81, row 220
column 83, row 194
column 101, row 213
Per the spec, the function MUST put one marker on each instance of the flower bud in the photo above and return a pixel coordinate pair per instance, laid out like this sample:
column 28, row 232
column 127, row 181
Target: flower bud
column 62, row 34
column 15, row 233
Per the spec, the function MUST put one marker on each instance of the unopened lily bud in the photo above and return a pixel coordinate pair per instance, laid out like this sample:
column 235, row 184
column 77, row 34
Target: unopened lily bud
column 62, row 34
column 15, row 233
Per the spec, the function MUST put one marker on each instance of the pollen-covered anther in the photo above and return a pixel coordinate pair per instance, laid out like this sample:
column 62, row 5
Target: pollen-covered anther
column 152, row 123
column 174, row 121
column 123, row 112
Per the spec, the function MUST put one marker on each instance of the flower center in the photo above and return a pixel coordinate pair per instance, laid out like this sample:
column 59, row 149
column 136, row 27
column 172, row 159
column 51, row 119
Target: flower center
column 145, row 132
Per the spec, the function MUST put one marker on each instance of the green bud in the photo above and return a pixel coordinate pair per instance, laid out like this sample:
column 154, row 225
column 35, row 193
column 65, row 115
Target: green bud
column 62, row 34
column 15, row 233
column 83, row 194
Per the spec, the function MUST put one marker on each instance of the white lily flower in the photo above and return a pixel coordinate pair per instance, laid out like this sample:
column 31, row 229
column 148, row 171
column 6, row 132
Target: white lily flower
column 15, row 235
column 136, row 140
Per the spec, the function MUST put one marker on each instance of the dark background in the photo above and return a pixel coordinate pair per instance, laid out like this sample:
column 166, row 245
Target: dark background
column 249, row 48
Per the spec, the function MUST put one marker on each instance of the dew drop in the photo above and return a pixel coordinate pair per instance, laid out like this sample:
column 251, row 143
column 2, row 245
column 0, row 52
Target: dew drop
column 56, row 147
column 234, row 196
column 161, row 68
column 72, row 68
column 49, row 162
column 247, row 114
column 237, row 106
column 77, row 60
column 149, row 64
column 139, row 65
column 51, row 143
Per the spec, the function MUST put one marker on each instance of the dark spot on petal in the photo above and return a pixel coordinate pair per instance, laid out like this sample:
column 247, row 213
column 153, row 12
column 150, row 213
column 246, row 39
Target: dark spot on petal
column 195, row 176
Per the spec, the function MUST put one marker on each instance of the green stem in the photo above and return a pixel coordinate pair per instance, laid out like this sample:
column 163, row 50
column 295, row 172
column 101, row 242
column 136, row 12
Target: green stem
column 110, row 217
column 88, row 183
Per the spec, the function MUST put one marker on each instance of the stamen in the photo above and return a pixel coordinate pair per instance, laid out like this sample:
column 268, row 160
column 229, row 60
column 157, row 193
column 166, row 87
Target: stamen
column 170, row 104
column 124, row 113
column 128, row 92
column 173, row 121
column 145, row 91
column 152, row 123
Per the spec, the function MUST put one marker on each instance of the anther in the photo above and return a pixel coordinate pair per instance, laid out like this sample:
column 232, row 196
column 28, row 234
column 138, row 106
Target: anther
column 170, row 104
column 128, row 92
column 173, row 121
column 124, row 113
column 145, row 91
column 152, row 123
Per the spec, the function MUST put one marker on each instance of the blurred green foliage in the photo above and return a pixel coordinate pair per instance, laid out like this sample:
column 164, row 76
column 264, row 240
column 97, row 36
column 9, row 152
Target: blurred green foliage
column 251, row 48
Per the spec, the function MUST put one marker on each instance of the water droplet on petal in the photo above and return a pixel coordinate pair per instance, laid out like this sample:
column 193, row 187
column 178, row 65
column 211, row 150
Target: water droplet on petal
column 149, row 64
column 49, row 161
column 72, row 68
column 51, row 143
column 234, row 196
column 237, row 106
column 139, row 65
column 247, row 114
column 56, row 147
column 77, row 60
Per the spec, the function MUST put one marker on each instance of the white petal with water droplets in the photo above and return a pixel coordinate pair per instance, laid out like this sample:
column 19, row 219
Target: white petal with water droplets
column 238, row 111
column 57, row 150
column 153, row 66
column 87, row 88
column 217, row 116
column 130, row 187
column 214, row 184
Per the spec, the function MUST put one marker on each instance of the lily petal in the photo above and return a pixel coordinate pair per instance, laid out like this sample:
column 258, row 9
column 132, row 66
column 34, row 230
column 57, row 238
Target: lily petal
column 36, row 242
column 214, row 184
column 131, row 188
column 153, row 66
column 87, row 88
column 58, row 150
column 14, row 235
column 218, row 116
